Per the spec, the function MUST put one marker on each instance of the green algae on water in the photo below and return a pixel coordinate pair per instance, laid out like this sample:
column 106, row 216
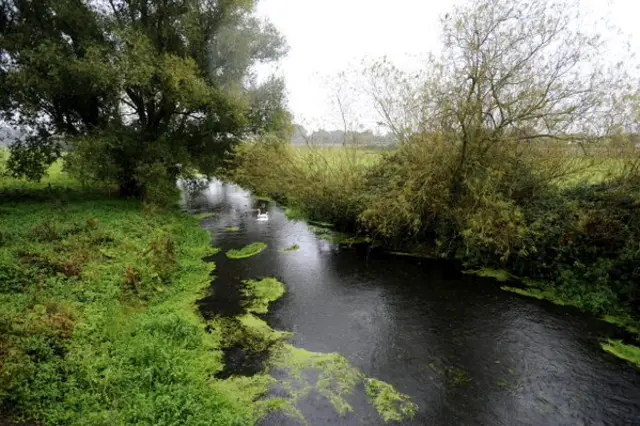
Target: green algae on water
column 535, row 293
column 260, row 293
column 232, row 229
column 290, row 249
column 629, row 353
column 247, row 251
column 390, row 404
column 409, row 254
column 336, row 380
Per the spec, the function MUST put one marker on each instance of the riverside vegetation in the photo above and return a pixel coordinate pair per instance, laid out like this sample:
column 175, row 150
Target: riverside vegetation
column 99, row 323
column 568, row 241
column 511, row 157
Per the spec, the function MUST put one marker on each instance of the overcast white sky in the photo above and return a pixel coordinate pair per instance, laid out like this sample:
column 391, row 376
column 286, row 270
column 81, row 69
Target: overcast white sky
column 328, row 36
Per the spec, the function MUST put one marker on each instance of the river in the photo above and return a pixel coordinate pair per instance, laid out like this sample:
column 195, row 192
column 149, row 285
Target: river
column 465, row 351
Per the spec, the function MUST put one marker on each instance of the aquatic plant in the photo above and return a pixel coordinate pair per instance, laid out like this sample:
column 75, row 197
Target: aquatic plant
column 247, row 251
column 622, row 350
column 260, row 293
column 390, row 404
column 290, row 249
column 499, row 275
column 232, row 229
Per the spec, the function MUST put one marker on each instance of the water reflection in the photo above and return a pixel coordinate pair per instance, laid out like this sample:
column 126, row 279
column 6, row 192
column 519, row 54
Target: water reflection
column 466, row 352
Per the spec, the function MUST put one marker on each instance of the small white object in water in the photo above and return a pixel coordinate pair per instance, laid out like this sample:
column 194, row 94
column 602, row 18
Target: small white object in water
column 263, row 216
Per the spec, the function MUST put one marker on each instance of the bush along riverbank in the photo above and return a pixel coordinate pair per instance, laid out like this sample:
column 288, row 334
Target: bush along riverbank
column 516, row 210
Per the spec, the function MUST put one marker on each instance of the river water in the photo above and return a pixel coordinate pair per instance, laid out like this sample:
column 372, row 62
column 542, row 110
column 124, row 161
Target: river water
column 465, row 351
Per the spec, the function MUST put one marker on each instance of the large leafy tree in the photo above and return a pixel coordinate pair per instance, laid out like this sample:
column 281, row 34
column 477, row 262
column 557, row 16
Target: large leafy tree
column 139, row 92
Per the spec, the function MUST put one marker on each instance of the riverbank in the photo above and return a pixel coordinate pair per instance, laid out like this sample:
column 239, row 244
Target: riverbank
column 568, row 224
column 98, row 322
column 460, row 347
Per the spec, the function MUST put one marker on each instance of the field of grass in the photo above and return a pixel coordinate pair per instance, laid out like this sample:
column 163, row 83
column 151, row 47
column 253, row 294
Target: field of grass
column 580, row 169
column 98, row 323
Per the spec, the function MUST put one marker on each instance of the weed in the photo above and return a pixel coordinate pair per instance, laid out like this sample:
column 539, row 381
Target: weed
column 247, row 251
column 621, row 350
column 291, row 249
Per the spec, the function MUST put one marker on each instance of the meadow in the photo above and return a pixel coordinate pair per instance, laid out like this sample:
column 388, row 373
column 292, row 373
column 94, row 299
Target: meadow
column 98, row 322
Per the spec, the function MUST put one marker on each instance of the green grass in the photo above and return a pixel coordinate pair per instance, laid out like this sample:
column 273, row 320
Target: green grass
column 247, row 251
column 290, row 249
column 98, row 322
column 629, row 353
column 56, row 177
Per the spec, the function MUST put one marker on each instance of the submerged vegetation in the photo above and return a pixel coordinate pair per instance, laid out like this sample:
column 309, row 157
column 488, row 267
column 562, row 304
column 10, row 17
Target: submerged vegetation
column 290, row 249
column 205, row 215
column 246, row 251
column 294, row 367
column 260, row 293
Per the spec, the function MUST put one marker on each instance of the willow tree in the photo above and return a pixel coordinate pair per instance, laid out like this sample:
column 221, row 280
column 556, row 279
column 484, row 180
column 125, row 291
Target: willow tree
column 137, row 92
column 485, row 124
column 509, row 71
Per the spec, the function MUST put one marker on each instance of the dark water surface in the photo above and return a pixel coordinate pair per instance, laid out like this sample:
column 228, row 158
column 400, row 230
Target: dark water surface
column 465, row 351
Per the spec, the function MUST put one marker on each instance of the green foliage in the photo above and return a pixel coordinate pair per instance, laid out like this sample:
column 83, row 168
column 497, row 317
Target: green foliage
column 315, row 183
column 138, row 94
column 98, row 323
column 247, row 251
column 627, row 352
column 519, row 212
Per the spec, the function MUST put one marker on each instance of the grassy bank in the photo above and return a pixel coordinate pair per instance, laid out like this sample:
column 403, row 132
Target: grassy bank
column 99, row 326
column 545, row 213
column 98, row 323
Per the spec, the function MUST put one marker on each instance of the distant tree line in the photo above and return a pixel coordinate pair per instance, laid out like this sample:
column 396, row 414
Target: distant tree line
column 301, row 136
